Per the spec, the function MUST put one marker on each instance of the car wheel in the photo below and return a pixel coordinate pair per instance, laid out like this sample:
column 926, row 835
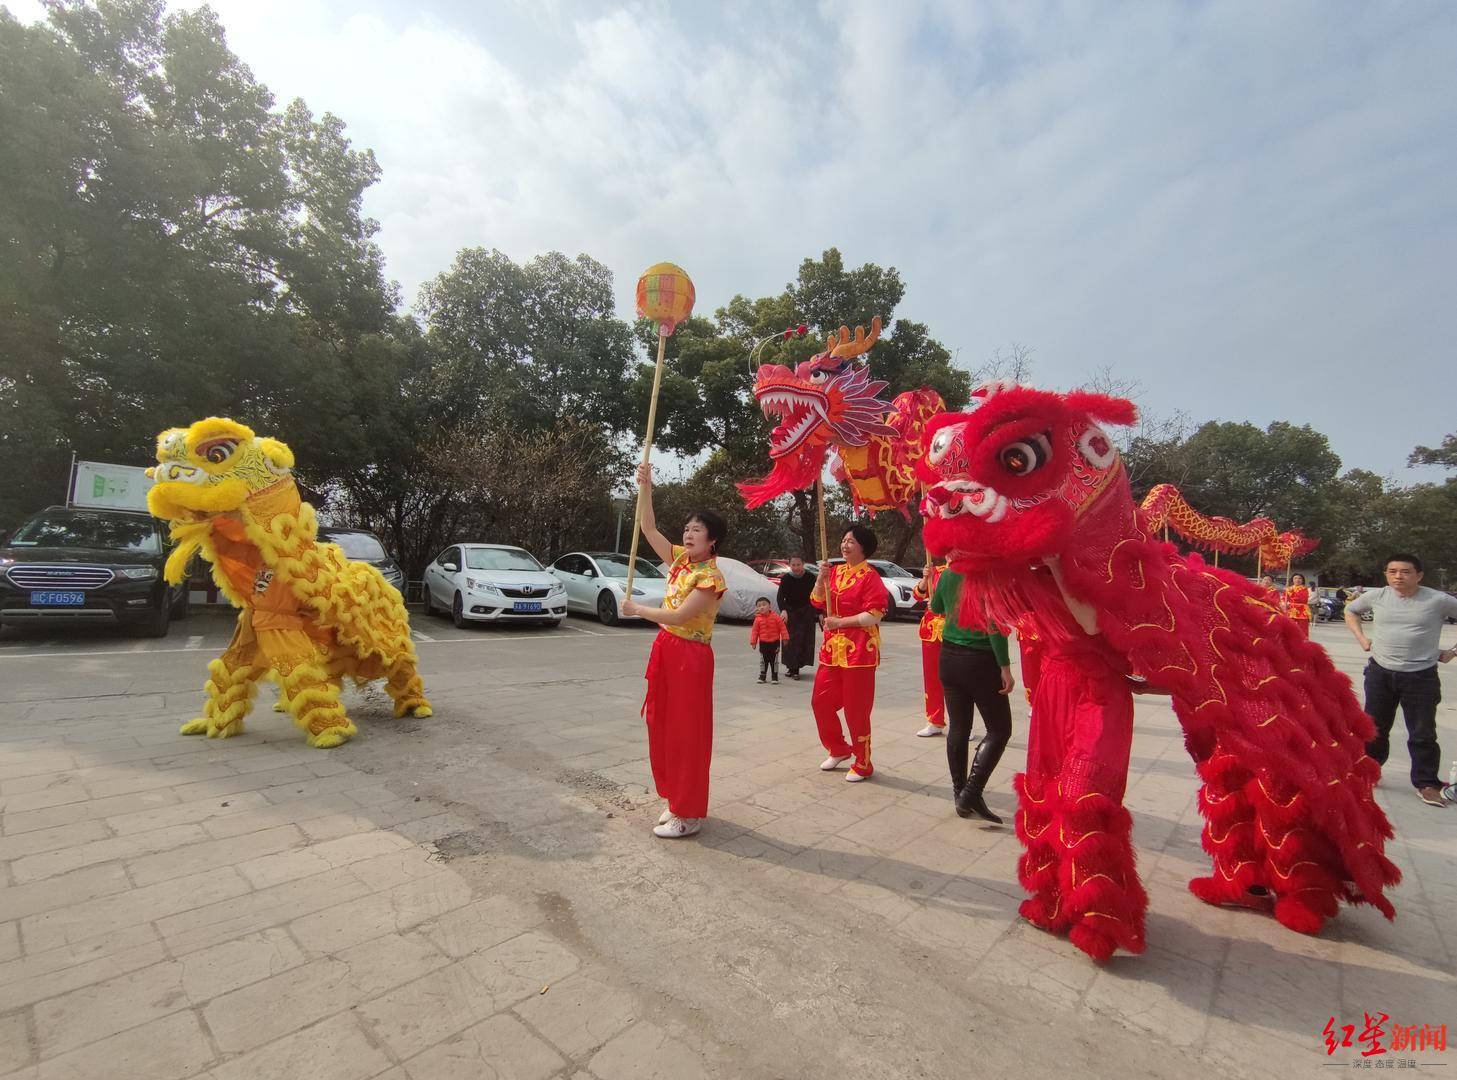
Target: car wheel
column 457, row 612
column 158, row 624
column 607, row 608
column 182, row 608
column 429, row 603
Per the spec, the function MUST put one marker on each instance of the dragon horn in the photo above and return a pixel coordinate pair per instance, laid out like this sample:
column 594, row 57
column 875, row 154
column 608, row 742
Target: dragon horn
column 845, row 347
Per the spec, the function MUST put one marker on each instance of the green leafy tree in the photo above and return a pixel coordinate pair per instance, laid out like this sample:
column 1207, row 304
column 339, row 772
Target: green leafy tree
column 171, row 245
column 532, row 343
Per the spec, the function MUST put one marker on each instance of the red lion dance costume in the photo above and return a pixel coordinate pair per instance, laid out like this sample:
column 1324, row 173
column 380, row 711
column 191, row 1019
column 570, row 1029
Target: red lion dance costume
column 1028, row 498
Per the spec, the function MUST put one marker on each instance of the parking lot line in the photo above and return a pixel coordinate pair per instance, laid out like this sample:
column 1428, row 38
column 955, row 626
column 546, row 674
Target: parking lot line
column 583, row 630
column 420, row 637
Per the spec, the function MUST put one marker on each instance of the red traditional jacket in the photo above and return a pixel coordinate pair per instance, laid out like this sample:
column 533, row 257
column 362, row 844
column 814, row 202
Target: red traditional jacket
column 932, row 624
column 850, row 591
column 1297, row 603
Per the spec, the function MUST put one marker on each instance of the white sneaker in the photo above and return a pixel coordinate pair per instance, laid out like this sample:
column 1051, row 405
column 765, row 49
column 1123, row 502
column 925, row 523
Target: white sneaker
column 676, row 827
column 830, row 764
column 853, row 777
column 930, row 731
column 665, row 817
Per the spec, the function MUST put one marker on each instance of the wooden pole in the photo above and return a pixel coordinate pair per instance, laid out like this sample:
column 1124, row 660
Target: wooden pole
column 1259, row 563
column 647, row 449
column 820, row 499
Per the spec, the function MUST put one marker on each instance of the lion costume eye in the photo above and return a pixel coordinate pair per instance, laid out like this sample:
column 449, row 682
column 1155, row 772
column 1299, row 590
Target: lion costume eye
column 819, row 375
column 218, row 452
column 940, row 444
column 1025, row 456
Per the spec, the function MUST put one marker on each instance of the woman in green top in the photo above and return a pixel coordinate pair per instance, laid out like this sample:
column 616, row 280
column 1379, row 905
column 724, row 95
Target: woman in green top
column 975, row 671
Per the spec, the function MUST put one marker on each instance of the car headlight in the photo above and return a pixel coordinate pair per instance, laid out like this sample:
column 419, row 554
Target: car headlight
column 139, row 573
column 907, row 594
column 638, row 592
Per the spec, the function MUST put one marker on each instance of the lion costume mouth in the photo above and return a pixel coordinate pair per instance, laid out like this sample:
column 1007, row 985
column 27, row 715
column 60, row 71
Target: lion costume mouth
column 952, row 498
column 194, row 500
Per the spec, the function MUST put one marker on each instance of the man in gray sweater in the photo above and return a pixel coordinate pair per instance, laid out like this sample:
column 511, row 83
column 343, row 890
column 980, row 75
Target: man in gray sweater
column 1407, row 630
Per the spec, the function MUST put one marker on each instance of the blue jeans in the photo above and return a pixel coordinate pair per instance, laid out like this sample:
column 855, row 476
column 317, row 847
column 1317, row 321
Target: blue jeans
column 1417, row 692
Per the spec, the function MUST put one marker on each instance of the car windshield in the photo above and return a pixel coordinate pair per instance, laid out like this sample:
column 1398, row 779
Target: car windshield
column 615, row 566
column 499, row 559
column 890, row 569
column 73, row 529
column 358, row 545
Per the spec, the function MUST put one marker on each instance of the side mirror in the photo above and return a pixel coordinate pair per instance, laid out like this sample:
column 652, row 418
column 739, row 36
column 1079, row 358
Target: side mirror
column 450, row 568
column 589, row 572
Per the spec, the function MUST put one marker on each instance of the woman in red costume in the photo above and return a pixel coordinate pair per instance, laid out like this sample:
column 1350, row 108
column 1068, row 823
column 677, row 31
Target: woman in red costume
column 933, row 625
column 854, row 600
column 679, row 704
column 1297, row 603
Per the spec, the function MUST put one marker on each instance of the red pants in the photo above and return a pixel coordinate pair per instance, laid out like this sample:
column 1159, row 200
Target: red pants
column 931, row 680
column 1078, row 859
column 679, row 715
column 853, row 690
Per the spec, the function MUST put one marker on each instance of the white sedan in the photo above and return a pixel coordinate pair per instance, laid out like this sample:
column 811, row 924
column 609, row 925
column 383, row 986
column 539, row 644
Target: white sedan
column 492, row 583
column 596, row 582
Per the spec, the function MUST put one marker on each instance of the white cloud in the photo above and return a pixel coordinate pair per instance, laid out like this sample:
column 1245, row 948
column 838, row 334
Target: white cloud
column 1248, row 207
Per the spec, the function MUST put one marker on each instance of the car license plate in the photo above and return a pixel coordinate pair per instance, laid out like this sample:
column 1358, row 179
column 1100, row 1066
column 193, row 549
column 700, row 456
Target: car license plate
column 529, row 606
column 51, row 598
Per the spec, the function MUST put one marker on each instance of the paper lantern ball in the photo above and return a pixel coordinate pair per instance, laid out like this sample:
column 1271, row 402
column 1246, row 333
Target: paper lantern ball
column 665, row 295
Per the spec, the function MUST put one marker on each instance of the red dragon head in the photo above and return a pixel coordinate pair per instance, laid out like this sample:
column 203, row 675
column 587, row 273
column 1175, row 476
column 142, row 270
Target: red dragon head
column 1008, row 483
column 828, row 398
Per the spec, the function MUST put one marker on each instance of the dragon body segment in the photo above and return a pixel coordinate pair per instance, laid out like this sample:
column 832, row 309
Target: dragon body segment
column 308, row 616
column 1164, row 507
column 1028, row 498
column 829, row 405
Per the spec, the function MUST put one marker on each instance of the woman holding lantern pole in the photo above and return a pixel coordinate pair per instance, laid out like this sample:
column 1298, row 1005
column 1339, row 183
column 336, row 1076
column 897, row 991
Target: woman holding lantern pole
column 679, row 704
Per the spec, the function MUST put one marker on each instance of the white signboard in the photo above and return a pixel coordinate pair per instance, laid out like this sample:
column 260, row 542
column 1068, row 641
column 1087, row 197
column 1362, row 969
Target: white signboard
column 98, row 486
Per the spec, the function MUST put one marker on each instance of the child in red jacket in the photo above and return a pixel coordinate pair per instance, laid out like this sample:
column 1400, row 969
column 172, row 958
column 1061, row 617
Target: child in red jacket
column 768, row 631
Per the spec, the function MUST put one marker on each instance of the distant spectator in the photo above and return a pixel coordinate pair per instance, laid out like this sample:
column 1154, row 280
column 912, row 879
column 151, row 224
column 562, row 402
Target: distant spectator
column 800, row 615
column 1405, row 648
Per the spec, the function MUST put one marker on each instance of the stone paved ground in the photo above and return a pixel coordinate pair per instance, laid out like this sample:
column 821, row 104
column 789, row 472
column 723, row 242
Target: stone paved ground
column 478, row 895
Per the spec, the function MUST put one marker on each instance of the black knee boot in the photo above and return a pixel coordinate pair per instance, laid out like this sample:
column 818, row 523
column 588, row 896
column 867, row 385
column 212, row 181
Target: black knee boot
column 969, row 800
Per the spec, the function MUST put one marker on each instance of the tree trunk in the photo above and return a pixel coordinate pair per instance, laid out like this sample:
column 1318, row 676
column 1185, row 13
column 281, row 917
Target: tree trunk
column 804, row 504
column 905, row 535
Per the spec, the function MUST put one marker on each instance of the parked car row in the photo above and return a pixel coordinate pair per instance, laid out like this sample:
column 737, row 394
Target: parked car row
column 69, row 565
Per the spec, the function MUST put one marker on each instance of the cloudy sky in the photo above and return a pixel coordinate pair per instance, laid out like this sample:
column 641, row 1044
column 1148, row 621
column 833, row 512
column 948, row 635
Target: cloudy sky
column 1248, row 208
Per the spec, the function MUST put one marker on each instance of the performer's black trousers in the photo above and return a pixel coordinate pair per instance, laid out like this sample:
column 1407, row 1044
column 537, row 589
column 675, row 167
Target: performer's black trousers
column 972, row 677
column 799, row 650
column 1417, row 692
column 769, row 658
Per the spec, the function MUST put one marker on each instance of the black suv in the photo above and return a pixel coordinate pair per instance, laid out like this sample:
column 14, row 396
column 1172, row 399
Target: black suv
column 362, row 546
column 93, row 566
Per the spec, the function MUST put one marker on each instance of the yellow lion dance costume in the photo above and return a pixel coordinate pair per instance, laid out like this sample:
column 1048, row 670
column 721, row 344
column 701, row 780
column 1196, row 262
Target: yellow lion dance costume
column 307, row 614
